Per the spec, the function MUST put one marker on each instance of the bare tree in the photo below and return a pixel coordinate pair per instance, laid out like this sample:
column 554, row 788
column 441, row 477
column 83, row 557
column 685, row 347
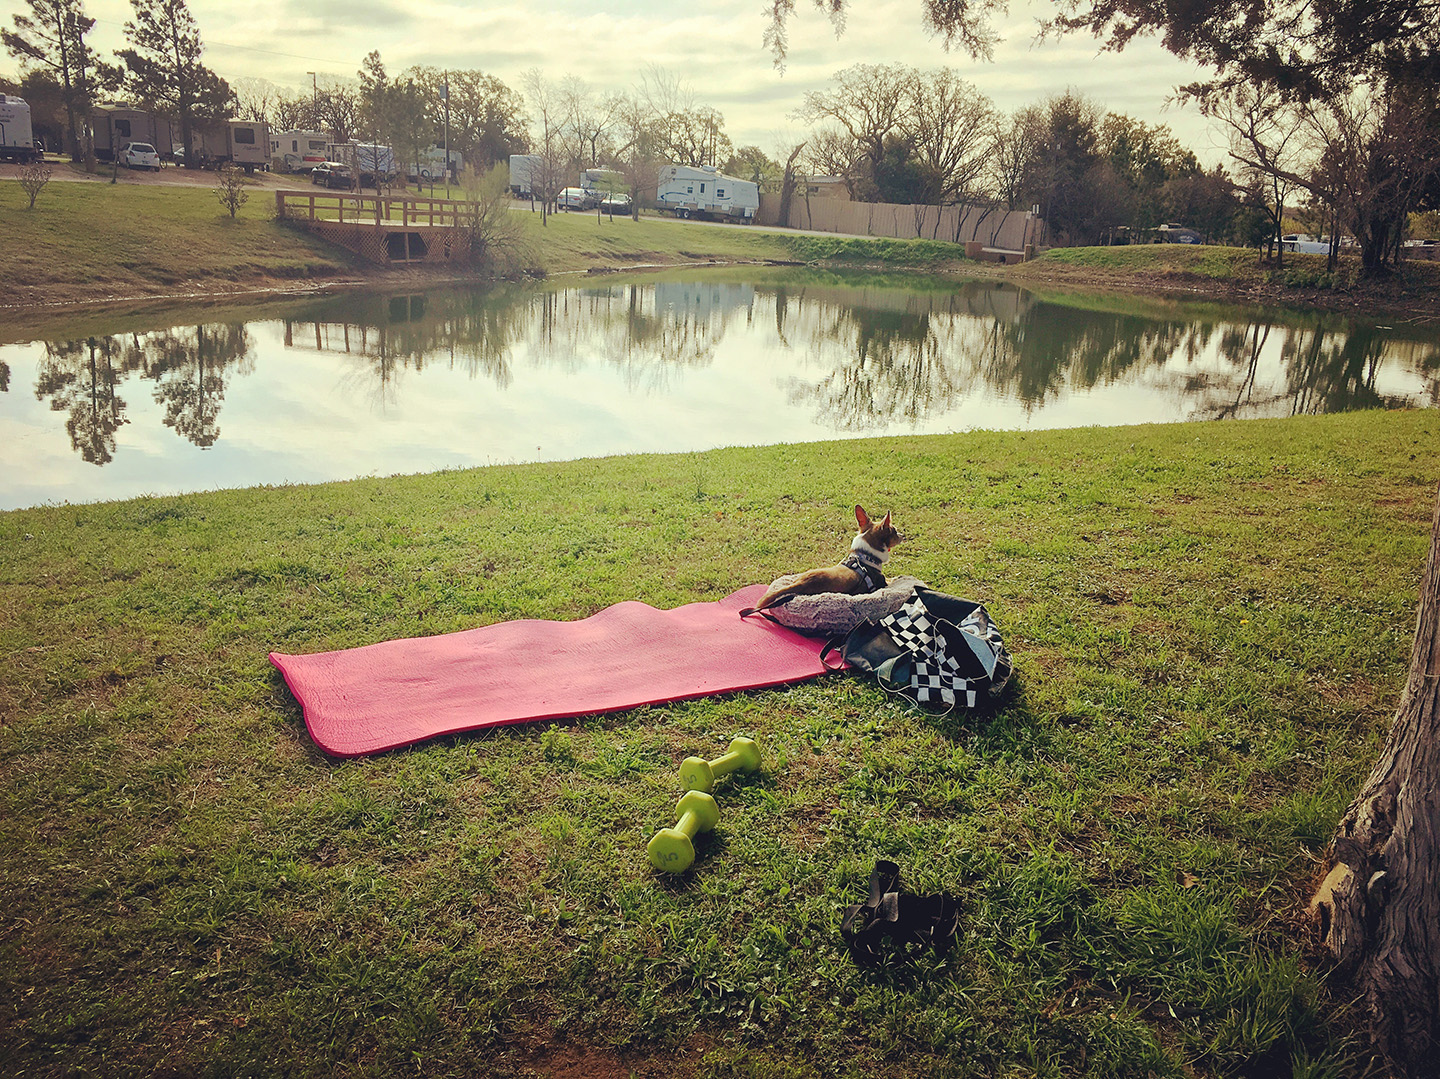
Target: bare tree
column 294, row 112
column 590, row 118
column 638, row 152
column 870, row 103
column 1267, row 140
column 33, row 178
column 947, row 123
column 486, row 117
column 497, row 239
column 255, row 99
column 1017, row 144
column 832, row 152
column 687, row 133
column 1369, row 153
column 337, row 110
column 547, row 112
column 1378, row 151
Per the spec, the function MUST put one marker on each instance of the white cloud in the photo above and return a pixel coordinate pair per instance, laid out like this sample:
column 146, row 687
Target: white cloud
column 716, row 49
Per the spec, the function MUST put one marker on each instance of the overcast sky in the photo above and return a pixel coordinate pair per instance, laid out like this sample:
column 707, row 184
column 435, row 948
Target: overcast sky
column 715, row 46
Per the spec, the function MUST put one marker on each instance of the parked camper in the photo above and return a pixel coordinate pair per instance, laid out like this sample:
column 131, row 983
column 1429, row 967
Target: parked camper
column 343, row 152
column 297, row 151
column 602, row 181
column 237, row 142
column 1306, row 245
column 17, row 139
column 116, row 125
column 374, row 163
column 706, row 192
column 522, row 168
column 431, row 166
column 1177, row 234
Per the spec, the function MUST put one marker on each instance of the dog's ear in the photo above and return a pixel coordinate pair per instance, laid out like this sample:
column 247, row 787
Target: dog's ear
column 862, row 518
column 886, row 523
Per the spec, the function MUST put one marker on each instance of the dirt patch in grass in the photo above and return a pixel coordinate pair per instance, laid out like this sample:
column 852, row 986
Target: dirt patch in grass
column 541, row 1056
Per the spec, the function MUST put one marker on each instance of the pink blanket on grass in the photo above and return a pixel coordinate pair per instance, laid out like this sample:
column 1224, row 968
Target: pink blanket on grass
column 382, row 696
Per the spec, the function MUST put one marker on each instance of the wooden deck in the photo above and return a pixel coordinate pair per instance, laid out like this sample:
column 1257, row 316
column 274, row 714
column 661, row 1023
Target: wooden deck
column 387, row 231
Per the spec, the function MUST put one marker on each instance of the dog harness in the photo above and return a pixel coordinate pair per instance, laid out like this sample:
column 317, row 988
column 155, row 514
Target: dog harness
column 866, row 565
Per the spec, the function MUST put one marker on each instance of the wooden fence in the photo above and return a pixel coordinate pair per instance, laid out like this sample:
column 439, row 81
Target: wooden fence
column 1007, row 230
column 374, row 209
column 388, row 231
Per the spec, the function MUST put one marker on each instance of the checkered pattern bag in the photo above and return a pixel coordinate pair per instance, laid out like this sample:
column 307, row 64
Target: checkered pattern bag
column 938, row 650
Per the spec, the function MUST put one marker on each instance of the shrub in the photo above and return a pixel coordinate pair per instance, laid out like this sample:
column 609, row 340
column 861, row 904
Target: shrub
column 33, row 178
column 230, row 188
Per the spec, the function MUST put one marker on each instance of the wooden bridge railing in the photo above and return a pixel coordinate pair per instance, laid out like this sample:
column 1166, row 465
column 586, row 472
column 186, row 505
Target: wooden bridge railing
column 379, row 210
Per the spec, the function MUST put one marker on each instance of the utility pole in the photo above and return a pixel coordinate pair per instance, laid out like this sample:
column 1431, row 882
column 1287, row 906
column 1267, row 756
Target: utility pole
column 314, row 100
column 445, row 96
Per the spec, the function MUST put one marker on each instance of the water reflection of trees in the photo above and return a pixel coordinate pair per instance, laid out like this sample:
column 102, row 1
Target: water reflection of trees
column 189, row 368
column 645, row 332
column 1326, row 369
column 475, row 332
column 907, row 356
column 865, row 355
column 82, row 378
column 875, row 354
column 648, row 333
column 884, row 358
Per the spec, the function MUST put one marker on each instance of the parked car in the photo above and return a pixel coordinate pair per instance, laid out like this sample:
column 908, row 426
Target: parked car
column 333, row 174
column 139, row 155
column 577, row 198
column 615, row 204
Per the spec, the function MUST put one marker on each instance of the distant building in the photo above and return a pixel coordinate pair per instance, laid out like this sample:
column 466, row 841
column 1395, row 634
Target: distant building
column 827, row 187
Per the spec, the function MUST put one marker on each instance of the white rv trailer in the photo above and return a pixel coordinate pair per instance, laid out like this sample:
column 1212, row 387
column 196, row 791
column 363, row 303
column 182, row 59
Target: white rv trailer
column 374, row 163
column 707, row 193
column 522, row 168
column 602, row 181
column 431, row 166
column 17, row 139
column 115, row 125
column 297, row 151
column 238, row 142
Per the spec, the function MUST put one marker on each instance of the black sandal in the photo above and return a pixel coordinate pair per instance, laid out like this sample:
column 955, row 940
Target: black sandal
column 911, row 922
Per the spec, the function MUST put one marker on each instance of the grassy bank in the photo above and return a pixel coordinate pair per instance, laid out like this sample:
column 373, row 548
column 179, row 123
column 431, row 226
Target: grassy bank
column 86, row 241
column 92, row 243
column 1210, row 624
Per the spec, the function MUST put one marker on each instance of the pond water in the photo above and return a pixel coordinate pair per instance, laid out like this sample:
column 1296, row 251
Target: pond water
column 358, row 385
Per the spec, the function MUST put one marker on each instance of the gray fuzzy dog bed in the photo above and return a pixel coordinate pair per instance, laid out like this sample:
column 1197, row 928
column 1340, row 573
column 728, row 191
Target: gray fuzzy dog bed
column 830, row 614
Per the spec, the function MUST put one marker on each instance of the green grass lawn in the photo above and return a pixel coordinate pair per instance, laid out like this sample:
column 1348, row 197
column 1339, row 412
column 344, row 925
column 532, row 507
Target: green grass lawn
column 1210, row 622
column 126, row 239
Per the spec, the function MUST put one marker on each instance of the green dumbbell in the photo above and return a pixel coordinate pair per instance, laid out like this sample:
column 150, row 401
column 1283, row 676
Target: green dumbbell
column 673, row 849
column 697, row 774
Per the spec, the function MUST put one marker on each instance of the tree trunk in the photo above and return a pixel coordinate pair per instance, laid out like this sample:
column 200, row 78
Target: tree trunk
column 1378, row 907
column 787, row 187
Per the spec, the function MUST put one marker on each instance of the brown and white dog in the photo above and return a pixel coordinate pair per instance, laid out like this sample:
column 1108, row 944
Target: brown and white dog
column 858, row 572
